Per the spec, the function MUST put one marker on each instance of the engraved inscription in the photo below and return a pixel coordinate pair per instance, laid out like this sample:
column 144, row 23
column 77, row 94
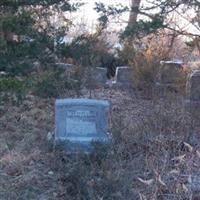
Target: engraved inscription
column 81, row 123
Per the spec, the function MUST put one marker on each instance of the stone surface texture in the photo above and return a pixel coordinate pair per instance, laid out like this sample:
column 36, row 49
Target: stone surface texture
column 193, row 86
column 169, row 72
column 81, row 121
column 193, row 97
column 100, row 75
column 124, row 76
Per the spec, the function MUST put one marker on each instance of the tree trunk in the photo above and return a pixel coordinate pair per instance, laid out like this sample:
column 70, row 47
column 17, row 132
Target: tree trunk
column 135, row 4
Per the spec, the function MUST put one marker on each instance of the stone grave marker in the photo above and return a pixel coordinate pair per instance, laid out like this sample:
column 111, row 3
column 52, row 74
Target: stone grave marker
column 169, row 77
column 124, row 76
column 69, row 70
column 193, row 96
column 169, row 72
column 193, row 86
column 95, row 77
column 79, row 122
column 100, row 75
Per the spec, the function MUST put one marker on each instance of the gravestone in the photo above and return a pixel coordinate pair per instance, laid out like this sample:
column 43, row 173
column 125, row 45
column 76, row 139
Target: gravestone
column 169, row 72
column 193, row 86
column 69, row 70
column 100, row 76
column 124, row 76
column 79, row 122
column 193, row 96
column 95, row 78
column 169, row 77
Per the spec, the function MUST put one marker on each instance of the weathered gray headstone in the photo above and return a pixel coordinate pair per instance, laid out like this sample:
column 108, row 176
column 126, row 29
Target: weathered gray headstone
column 68, row 69
column 79, row 122
column 94, row 78
column 169, row 77
column 169, row 72
column 124, row 76
column 193, row 86
column 100, row 75
column 193, row 96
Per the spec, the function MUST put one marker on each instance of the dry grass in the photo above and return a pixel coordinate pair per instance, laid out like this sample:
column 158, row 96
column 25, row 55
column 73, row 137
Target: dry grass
column 148, row 160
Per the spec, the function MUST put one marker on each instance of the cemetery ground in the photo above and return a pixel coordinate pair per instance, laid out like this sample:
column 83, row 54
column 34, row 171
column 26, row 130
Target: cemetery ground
column 150, row 158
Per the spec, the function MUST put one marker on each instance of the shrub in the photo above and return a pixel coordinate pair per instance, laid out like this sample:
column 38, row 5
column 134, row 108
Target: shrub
column 20, row 69
column 14, row 89
column 55, row 84
column 127, row 53
column 145, row 71
column 146, row 61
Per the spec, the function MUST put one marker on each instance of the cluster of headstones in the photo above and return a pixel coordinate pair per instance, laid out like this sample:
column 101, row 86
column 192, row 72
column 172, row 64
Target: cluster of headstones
column 123, row 77
column 81, row 121
column 168, row 75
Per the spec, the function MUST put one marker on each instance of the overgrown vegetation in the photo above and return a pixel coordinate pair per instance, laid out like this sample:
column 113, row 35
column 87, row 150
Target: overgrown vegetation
column 155, row 154
column 55, row 84
column 150, row 157
column 14, row 90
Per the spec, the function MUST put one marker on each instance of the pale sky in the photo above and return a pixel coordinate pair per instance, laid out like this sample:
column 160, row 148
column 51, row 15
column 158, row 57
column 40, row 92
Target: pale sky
column 89, row 15
column 86, row 17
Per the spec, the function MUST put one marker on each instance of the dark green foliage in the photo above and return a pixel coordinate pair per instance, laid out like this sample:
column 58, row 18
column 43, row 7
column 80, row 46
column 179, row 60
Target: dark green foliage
column 100, row 152
column 23, row 36
column 47, row 87
column 79, row 48
column 55, row 84
column 103, row 20
column 14, row 90
column 143, row 28
column 18, row 23
column 15, row 50
column 15, row 4
column 108, row 11
column 86, row 49
column 20, row 69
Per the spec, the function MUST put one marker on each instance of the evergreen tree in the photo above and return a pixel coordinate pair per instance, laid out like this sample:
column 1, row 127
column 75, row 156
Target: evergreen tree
column 28, row 32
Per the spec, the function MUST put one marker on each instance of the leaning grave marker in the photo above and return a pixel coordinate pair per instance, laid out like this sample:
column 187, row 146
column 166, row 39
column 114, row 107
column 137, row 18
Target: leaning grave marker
column 193, row 106
column 79, row 122
column 124, row 76
column 169, row 76
column 169, row 72
column 95, row 78
column 100, row 75
column 193, row 96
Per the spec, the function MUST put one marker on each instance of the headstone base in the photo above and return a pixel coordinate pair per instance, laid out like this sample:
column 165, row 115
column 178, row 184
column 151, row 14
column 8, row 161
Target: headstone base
column 77, row 144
